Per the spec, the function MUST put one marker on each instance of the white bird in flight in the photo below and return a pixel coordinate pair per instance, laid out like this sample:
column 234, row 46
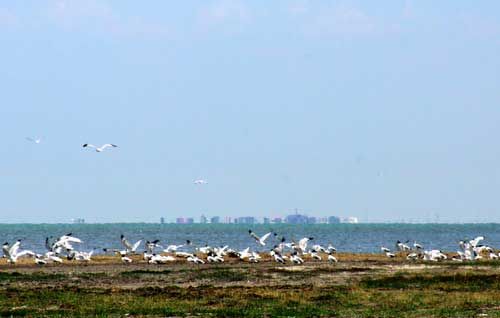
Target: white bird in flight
column 130, row 249
column 99, row 149
column 200, row 181
column 36, row 140
column 260, row 240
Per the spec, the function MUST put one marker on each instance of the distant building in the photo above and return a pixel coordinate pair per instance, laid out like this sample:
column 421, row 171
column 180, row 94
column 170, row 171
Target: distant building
column 245, row 220
column 296, row 219
column 311, row 220
column 322, row 220
column 333, row 220
column 78, row 221
column 203, row 219
column 162, row 220
column 184, row 220
column 351, row 219
column 227, row 219
column 266, row 220
column 215, row 219
column 277, row 220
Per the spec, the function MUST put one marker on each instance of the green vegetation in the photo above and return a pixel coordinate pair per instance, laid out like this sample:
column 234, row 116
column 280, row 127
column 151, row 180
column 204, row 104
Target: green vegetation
column 262, row 290
column 35, row 276
column 222, row 275
column 471, row 282
column 140, row 272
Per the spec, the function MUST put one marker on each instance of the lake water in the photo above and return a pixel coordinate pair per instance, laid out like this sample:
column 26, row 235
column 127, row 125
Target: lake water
column 346, row 237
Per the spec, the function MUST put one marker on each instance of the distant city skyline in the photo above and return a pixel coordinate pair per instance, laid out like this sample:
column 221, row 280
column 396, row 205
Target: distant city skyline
column 383, row 110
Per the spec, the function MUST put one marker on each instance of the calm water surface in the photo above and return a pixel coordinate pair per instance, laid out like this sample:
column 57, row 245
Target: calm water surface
column 346, row 237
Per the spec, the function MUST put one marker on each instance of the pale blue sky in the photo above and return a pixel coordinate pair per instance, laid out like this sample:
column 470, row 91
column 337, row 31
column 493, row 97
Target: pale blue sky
column 385, row 110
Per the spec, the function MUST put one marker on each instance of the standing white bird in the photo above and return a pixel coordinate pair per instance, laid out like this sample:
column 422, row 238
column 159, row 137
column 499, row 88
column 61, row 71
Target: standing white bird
column 50, row 256
column 39, row 260
column 331, row 258
column 314, row 254
column 255, row 258
column 296, row 259
column 244, row 253
column 277, row 256
column 83, row 256
column 101, row 148
column 195, row 259
column 417, row 246
column 173, row 248
column 412, row 257
column 124, row 258
column 400, row 246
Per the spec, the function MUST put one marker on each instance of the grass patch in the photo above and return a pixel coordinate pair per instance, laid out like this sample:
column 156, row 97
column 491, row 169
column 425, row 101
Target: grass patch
column 139, row 272
column 455, row 281
column 90, row 275
column 35, row 276
column 238, row 301
column 222, row 275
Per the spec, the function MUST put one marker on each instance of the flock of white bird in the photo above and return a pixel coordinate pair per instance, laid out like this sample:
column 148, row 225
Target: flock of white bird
column 57, row 249
column 469, row 250
column 62, row 248
column 281, row 251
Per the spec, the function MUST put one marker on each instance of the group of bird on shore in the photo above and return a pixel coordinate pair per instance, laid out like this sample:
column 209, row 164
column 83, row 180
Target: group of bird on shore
column 61, row 248
column 57, row 250
column 281, row 251
column 469, row 250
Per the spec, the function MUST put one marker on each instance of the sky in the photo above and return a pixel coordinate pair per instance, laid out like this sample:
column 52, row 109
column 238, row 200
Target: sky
column 384, row 110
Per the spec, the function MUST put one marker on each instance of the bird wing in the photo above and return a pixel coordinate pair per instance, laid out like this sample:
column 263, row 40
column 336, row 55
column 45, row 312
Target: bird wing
column 127, row 244
column 264, row 237
column 136, row 245
column 14, row 248
column 89, row 145
column 6, row 251
column 252, row 234
column 476, row 241
column 107, row 146
column 67, row 238
column 25, row 252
